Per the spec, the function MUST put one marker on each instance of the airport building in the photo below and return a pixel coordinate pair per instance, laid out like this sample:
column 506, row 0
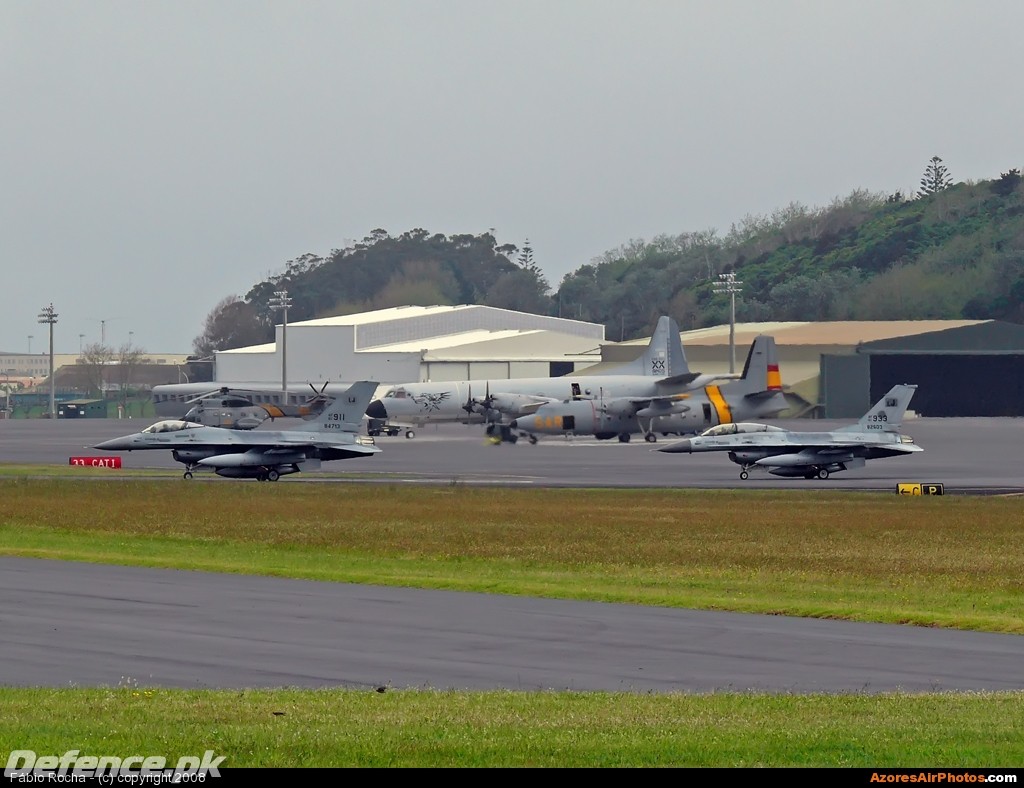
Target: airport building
column 416, row 343
column 834, row 370
column 838, row 369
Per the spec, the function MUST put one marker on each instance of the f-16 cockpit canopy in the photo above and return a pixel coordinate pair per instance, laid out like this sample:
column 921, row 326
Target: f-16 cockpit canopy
column 171, row 425
column 744, row 426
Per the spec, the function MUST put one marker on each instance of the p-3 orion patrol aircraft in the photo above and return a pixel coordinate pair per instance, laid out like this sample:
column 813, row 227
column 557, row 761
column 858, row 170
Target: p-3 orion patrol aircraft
column 756, row 395
column 661, row 371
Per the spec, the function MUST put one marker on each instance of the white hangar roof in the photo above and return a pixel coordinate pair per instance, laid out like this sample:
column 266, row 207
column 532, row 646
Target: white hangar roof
column 508, row 345
column 413, row 323
column 834, row 332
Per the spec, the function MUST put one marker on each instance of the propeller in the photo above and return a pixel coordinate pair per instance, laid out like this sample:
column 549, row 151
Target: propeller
column 318, row 394
column 311, row 407
column 482, row 406
column 223, row 390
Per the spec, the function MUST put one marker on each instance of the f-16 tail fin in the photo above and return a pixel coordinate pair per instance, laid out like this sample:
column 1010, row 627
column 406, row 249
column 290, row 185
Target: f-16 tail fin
column 345, row 412
column 664, row 357
column 887, row 414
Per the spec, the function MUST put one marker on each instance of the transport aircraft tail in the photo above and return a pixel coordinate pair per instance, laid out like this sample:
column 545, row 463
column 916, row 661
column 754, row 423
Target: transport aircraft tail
column 664, row 356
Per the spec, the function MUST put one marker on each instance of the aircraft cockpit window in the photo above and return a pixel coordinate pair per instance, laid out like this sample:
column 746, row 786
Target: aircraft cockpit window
column 743, row 426
column 720, row 429
column 396, row 394
column 171, row 425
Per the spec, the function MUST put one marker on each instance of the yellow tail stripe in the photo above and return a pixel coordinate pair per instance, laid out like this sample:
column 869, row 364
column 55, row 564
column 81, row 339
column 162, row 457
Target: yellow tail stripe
column 718, row 402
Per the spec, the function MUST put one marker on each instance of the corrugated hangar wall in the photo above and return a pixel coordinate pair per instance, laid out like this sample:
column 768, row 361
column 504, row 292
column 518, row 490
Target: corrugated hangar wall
column 844, row 386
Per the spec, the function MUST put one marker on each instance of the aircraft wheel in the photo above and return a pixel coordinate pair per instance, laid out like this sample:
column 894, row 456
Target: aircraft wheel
column 744, row 475
column 823, row 473
column 410, row 434
column 624, row 437
column 533, row 439
column 187, row 475
column 650, row 437
column 273, row 475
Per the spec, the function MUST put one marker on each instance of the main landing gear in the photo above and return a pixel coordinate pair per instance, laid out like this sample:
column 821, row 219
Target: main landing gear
column 503, row 433
column 268, row 476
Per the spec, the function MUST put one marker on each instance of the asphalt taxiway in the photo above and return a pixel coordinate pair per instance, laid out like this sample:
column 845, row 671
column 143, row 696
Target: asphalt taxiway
column 965, row 455
column 69, row 624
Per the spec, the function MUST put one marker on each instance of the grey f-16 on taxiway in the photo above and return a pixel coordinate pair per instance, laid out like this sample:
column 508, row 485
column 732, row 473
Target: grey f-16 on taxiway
column 811, row 454
column 265, row 455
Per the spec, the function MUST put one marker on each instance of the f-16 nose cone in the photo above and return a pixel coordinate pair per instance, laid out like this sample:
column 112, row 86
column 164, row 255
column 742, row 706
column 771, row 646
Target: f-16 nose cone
column 114, row 444
column 677, row 446
column 376, row 410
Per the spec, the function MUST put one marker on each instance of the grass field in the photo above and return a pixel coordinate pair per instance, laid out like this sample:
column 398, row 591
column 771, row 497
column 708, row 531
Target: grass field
column 944, row 561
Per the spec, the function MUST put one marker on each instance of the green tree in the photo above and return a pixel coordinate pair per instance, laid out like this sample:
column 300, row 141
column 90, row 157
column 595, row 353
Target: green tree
column 935, row 178
column 232, row 323
column 1007, row 183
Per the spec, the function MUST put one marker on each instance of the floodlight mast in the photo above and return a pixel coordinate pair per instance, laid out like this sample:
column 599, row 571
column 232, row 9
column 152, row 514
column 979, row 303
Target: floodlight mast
column 727, row 283
column 47, row 315
column 282, row 301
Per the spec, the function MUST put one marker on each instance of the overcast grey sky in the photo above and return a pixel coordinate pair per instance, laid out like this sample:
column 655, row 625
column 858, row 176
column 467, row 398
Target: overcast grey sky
column 159, row 156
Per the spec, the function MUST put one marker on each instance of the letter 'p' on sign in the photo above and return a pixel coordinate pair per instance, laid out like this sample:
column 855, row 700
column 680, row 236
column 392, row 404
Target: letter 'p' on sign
column 919, row 488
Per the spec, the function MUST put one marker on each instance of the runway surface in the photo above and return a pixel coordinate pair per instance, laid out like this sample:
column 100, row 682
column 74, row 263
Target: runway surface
column 68, row 624
column 90, row 625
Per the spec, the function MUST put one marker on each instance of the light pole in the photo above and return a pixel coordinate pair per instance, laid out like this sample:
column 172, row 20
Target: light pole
column 727, row 283
column 30, row 344
column 80, row 338
column 7, row 391
column 282, row 301
column 47, row 315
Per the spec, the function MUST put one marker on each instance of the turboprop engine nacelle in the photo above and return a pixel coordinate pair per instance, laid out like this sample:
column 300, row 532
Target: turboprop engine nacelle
column 671, row 410
column 512, row 404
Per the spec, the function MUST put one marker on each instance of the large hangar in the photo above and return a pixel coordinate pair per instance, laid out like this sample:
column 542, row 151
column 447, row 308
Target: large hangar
column 974, row 369
column 415, row 343
column 838, row 369
column 833, row 369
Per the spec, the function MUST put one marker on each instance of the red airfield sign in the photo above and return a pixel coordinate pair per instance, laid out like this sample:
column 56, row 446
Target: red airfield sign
column 95, row 462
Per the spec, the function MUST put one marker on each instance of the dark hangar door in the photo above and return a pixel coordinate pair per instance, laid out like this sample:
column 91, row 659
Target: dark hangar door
column 952, row 385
